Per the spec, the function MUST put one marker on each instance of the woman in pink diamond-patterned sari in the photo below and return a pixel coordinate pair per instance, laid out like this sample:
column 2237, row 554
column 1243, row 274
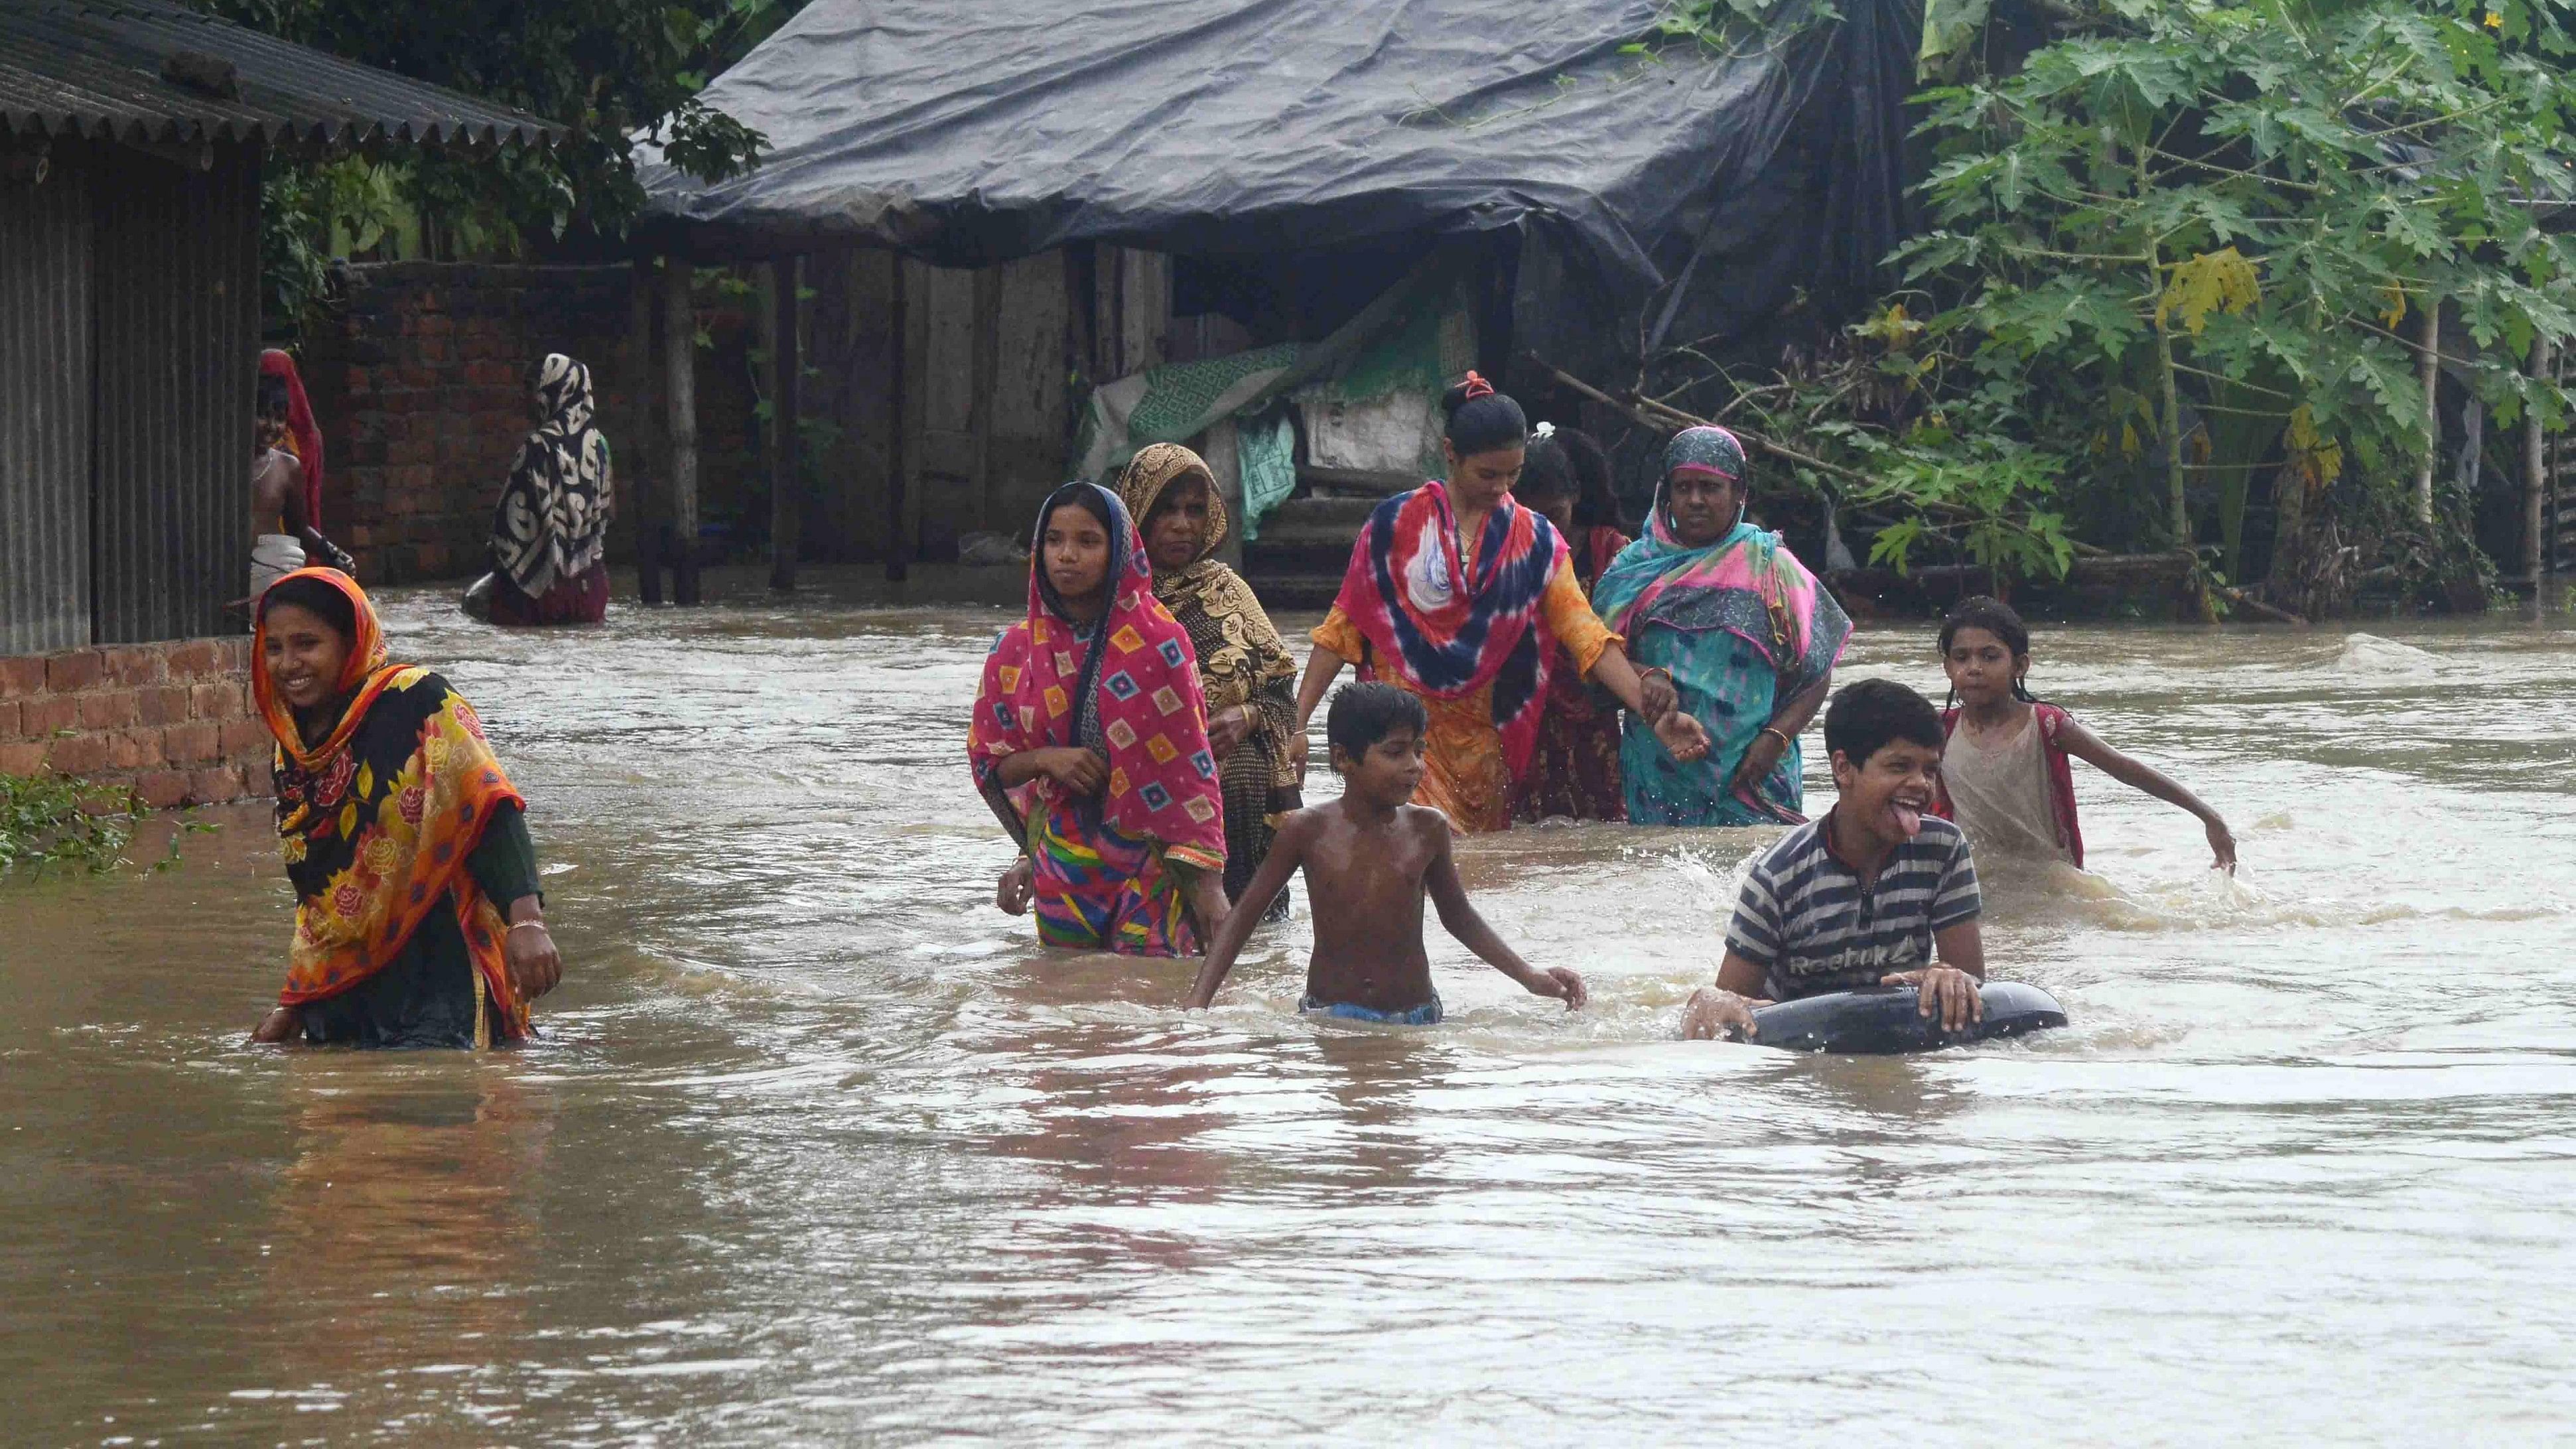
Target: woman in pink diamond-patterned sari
column 1090, row 741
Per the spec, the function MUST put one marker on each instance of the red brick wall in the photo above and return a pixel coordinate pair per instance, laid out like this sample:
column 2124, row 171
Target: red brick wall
column 419, row 379
column 172, row 720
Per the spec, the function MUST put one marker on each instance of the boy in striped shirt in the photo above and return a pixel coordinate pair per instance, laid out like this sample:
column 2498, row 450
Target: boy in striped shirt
column 1867, row 895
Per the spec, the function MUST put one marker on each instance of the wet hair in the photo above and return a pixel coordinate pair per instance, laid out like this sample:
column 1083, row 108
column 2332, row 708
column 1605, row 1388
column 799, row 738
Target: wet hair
column 1482, row 420
column 1363, row 714
column 273, row 402
column 316, row 597
column 1868, row 715
column 1567, row 463
column 1983, row 611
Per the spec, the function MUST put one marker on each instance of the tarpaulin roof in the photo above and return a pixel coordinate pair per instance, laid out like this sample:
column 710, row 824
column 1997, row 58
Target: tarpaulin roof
column 966, row 132
column 151, row 72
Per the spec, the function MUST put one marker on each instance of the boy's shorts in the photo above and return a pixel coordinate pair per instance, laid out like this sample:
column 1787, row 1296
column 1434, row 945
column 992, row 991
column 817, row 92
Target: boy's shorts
column 1427, row 1014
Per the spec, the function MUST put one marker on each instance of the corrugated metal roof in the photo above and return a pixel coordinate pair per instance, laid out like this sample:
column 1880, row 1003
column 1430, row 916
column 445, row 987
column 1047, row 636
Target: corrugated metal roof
column 96, row 68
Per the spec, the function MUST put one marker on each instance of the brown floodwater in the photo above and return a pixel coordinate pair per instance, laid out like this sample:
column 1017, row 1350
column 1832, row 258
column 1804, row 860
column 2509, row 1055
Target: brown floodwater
column 819, row 1147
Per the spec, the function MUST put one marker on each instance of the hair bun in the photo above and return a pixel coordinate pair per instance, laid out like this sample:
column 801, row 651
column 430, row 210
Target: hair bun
column 1480, row 419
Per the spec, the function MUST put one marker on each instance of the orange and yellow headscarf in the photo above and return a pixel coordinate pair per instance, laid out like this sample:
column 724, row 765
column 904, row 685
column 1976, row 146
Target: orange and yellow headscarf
column 378, row 818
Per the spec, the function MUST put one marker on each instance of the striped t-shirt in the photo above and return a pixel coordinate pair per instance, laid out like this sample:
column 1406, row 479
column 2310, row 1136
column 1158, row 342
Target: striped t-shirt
column 1806, row 921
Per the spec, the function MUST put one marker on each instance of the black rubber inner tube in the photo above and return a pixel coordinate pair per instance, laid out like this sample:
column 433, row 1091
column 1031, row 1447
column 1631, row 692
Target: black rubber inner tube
column 1887, row 1020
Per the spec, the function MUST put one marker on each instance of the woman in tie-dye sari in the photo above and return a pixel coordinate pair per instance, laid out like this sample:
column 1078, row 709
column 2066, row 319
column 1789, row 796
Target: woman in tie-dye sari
column 1090, row 742
column 1464, row 599
column 1747, row 635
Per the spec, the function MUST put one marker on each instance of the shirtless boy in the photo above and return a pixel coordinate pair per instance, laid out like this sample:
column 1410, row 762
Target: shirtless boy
column 1368, row 858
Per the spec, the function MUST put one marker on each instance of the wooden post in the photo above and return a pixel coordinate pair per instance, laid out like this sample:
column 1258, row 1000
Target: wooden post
column 2535, row 486
column 898, row 532
column 983, row 361
column 644, row 486
column 680, row 403
column 787, row 475
column 2430, row 365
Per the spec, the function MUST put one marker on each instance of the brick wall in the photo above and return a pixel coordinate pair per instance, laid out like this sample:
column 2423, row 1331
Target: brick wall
column 420, row 381
column 172, row 720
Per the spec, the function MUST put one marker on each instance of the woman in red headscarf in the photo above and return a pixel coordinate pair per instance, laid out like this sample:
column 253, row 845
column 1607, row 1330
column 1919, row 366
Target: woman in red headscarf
column 303, row 436
column 417, row 916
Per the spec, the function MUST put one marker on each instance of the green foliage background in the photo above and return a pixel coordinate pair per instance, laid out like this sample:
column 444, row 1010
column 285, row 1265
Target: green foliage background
column 606, row 69
column 2176, row 258
column 2179, row 250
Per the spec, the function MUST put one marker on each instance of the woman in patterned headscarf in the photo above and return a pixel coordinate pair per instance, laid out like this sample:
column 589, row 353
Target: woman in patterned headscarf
column 1246, row 669
column 1089, row 740
column 1747, row 635
column 550, row 534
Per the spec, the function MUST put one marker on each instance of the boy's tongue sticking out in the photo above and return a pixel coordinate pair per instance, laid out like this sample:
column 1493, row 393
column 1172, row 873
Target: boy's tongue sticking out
column 1888, row 796
column 1885, row 741
column 1908, row 818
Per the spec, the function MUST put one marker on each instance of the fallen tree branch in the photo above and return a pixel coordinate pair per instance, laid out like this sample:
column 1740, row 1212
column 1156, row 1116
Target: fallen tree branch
column 1655, row 416
column 1648, row 413
column 2259, row 609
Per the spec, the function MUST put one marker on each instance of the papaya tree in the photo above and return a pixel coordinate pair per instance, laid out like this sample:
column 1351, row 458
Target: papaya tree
column 2223, row 226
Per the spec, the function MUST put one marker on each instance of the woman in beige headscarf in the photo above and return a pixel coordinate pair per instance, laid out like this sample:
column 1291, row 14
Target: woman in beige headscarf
column 1250, row 678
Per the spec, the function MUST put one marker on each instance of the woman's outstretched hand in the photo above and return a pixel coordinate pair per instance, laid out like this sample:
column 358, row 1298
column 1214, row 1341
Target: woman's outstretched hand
column 281, row 1025
column 1656, row 696
column 1683, row 735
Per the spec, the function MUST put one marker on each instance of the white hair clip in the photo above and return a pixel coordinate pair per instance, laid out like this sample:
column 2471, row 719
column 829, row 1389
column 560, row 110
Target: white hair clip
column 1543, row 430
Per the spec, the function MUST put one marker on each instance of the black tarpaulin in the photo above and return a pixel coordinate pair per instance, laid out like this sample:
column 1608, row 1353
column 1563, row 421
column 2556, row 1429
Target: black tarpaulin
column 966, row 132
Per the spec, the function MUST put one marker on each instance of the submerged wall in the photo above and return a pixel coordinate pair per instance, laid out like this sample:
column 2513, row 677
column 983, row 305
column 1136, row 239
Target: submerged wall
column 420, row 380
column 172, row 720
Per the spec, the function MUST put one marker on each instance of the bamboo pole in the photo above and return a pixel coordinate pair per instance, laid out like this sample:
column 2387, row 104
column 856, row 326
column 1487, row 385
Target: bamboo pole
column 2429, row 365
column 787, row 477
column 644, row 486
column 2535, row 485
column 680, row 402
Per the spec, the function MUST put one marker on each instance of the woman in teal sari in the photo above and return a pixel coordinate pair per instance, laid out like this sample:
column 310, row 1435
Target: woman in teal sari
column 1747, row 635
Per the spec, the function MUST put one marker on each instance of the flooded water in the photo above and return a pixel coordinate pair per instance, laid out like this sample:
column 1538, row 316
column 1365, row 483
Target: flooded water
column 819, row 1148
